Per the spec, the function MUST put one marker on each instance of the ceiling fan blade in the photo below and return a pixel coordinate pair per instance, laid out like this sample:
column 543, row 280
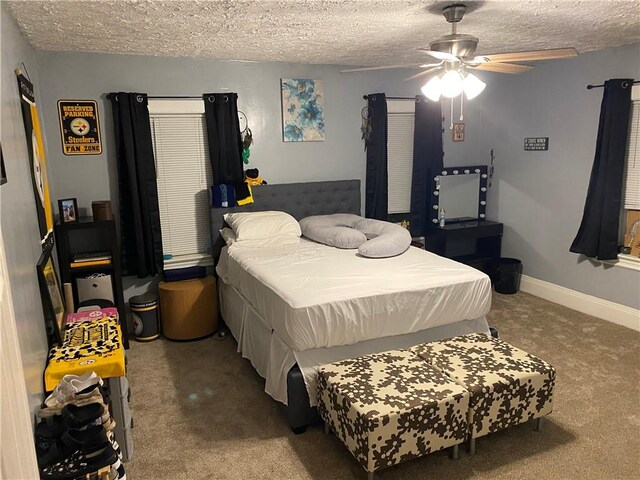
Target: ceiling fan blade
column 503, row 67
column 384, row 67
column 533, row 55
column 475, row 60
column 424, row 72
column 440, row 55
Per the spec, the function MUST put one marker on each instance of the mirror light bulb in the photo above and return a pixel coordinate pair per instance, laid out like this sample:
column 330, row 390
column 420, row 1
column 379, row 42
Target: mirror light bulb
column 473, row 86
column 432, row 89
column 451, row 84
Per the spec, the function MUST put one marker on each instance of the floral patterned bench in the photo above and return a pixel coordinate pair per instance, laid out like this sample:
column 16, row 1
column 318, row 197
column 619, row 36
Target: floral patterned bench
column 391, row 407
column 507, row 386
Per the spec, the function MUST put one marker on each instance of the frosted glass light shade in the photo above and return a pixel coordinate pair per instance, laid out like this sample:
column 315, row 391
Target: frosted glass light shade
column 432, row 89
column 451, row 84
column 473, row 86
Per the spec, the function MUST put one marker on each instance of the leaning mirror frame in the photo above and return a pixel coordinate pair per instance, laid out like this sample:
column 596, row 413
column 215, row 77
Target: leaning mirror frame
column 470, row 170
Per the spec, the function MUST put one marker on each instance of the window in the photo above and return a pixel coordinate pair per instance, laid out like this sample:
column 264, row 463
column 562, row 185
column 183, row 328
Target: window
column 632, row 170
column 400, row 126
column 631, row 194
column 183, row 172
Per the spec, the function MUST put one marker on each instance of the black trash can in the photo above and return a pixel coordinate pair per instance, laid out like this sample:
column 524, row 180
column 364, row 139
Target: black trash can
column 144, row 310
column 508, row 273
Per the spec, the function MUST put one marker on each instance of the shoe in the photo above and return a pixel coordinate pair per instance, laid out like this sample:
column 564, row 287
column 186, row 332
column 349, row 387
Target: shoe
column 70, row 385
column 118, row 473
column 51, row 429
column 87, row 440
column 81, row 464
column 84, row 397
column 111, row 437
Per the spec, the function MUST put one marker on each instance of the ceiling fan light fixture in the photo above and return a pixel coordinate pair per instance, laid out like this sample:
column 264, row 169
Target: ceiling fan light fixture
column 432, row 89
column 451, row 84
column 472, row 86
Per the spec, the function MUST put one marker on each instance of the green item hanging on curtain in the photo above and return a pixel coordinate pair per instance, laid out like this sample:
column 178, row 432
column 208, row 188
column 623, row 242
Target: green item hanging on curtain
column 247, row 140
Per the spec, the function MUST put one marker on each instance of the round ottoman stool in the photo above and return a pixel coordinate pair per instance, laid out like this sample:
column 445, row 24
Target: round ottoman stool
column 188, row 308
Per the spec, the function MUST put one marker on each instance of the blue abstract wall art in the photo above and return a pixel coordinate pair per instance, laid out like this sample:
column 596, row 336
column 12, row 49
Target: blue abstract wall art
column 302, row 110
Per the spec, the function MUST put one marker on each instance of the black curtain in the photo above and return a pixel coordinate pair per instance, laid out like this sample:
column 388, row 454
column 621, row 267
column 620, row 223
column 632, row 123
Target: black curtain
column 139, row 213
column 598, row 233
column 427, row 161
column 376, row 199
column 225, row 141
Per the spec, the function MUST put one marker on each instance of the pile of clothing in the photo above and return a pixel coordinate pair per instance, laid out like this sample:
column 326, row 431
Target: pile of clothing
column 226, row 195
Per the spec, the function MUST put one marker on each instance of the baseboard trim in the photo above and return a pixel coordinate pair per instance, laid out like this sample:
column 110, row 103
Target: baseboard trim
column 604, row 309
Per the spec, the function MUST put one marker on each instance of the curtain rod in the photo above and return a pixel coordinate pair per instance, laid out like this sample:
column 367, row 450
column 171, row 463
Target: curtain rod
column 589, row 87
column 168, row 97
column 392, row 98
column 199, row 97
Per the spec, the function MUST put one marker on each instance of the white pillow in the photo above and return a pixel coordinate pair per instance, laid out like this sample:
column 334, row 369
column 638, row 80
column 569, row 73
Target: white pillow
column 228, row 236
column 262, row 225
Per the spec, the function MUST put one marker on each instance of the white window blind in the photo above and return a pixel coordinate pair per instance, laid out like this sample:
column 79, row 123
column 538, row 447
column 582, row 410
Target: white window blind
column 400, row 126
column 632, row 170
column 183, row 172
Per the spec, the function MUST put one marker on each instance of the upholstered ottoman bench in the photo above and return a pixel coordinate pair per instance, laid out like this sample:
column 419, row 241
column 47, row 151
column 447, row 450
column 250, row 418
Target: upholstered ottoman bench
column 507, row 386
column 391, row 407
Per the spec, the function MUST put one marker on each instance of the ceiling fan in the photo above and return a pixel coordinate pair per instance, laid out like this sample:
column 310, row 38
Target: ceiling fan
column 454, row 56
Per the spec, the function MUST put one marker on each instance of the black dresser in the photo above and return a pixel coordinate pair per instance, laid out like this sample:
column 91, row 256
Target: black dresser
column 477, row 243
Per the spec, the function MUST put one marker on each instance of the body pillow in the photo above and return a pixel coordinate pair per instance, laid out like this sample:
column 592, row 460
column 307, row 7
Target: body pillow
column 333, row 230
column 372, row 238
column 384, row 239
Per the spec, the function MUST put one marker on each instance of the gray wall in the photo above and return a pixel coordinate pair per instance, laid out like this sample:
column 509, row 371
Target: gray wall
column 540, row 195
column 340, row 156
column 18, row 211
column 90, row 76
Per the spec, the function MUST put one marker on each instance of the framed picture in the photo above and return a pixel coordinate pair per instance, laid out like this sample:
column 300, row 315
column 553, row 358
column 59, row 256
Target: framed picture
column 302, row 110
column 457, row 134
column 51, row 296
column 68, row 208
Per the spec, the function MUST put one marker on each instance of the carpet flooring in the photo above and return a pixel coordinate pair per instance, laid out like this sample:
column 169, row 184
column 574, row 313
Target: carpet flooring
column 201, row 413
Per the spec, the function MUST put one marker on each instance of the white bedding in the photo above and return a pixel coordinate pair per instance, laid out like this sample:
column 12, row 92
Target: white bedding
column 273, row 359
column 316, row 296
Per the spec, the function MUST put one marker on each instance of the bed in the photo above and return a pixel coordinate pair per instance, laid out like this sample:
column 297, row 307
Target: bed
column 292, row 309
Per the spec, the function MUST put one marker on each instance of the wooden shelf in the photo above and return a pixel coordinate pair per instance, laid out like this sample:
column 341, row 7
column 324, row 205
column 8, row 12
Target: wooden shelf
column 89, row 236
column 85, row 268
column 84, row 222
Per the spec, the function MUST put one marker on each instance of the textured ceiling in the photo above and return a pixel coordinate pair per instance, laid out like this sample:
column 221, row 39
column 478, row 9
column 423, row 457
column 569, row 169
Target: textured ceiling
column 347, row 32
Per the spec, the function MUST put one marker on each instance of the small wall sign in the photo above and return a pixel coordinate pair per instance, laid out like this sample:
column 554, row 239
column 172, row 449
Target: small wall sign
column 536, row 143
column 457, row 133
column 79, row 127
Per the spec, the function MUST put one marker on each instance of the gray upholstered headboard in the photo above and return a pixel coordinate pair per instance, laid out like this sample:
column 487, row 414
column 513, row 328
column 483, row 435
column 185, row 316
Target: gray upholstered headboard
column 297, row 199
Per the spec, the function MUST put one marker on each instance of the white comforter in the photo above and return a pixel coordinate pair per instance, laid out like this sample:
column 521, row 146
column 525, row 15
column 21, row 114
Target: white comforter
column 316, row 296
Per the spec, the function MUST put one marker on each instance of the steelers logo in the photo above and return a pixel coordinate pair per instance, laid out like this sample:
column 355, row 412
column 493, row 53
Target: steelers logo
column 137, row 324
column 79, row 126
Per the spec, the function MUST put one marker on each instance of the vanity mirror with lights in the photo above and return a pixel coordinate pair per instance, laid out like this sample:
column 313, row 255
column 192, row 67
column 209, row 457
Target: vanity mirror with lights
column 467, row 236
column 461, row 192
